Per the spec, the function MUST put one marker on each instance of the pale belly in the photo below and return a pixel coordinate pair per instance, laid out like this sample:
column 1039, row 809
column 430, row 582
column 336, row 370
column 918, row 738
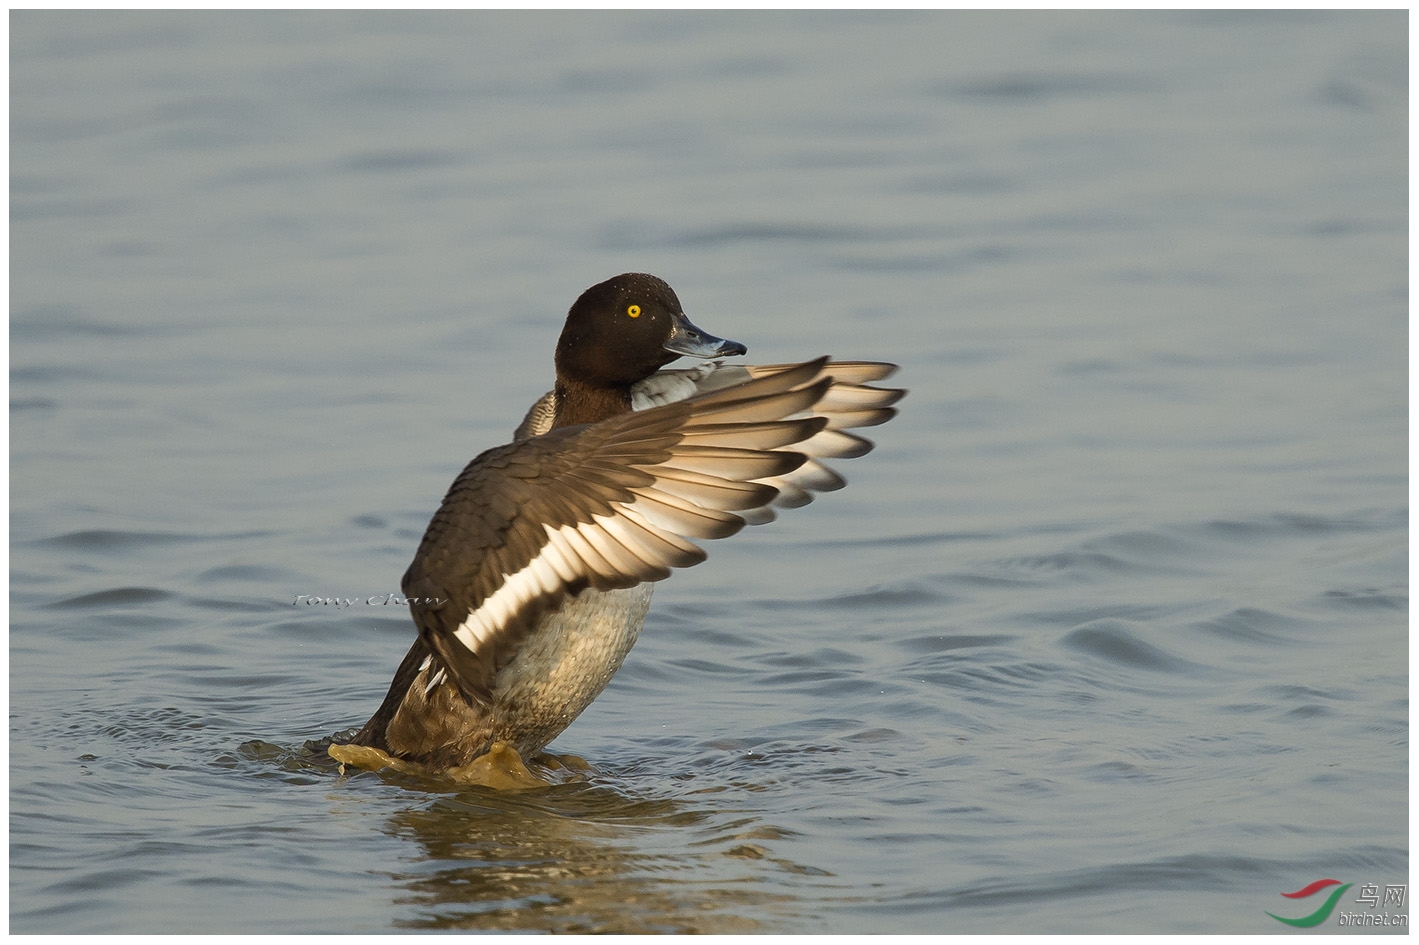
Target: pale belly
column 562, row 666
column 566, row 664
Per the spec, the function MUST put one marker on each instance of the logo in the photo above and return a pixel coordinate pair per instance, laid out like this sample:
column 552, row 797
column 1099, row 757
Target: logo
column 1321, row 914
column 1369, row 897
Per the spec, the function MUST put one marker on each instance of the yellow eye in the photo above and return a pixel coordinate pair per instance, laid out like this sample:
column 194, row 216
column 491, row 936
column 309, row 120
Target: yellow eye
column 634, row 311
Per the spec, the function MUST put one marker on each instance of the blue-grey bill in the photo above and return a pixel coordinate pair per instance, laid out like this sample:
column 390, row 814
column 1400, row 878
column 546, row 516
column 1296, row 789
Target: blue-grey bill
column 686, row 339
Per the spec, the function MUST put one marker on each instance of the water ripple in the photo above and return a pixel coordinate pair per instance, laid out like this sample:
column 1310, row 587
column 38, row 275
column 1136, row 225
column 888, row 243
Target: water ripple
column 1122, row 643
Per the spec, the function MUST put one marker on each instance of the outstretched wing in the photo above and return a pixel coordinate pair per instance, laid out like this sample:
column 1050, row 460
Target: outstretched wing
column 612, row 504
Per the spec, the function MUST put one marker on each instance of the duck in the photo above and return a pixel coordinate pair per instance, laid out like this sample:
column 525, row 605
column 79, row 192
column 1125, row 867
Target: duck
column 533, row 579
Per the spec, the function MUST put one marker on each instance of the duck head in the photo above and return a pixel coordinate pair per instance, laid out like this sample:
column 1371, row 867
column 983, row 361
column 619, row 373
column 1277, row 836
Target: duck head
column 625, row 329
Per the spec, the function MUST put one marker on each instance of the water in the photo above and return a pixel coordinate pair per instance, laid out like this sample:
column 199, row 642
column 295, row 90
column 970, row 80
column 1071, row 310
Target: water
column 1107, row 635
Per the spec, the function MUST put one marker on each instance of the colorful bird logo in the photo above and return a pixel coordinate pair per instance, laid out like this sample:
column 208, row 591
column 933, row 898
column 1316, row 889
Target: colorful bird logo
column 1321, row 914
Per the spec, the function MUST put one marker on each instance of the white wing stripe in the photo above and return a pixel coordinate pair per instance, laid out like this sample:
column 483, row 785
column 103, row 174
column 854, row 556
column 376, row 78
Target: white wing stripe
column 591, row 559
column 622, row 559
column 560, row 556
column 611, row 545
column 633, row 515
column 497, row 610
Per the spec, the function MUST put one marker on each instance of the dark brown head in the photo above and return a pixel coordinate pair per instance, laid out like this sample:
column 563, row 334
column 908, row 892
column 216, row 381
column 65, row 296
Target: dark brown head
column 625, row 329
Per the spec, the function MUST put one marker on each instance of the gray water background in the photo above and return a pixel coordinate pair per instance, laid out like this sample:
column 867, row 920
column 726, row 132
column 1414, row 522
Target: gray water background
column 1108, row 634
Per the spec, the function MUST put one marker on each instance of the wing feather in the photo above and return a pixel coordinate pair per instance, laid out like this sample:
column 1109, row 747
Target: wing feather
column 526, row 526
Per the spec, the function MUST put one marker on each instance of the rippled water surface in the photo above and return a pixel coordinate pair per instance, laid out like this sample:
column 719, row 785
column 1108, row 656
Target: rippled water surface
column 1109, row 634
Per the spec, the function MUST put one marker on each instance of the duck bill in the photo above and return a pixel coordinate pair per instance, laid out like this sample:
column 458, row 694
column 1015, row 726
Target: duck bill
column 686, row 339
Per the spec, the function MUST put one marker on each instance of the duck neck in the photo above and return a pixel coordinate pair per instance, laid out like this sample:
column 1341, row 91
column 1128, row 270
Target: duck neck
column 582, row 403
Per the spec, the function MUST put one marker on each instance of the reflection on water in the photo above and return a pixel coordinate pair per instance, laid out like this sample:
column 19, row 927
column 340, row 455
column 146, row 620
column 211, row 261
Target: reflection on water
column 560, row 860
column 582, row 856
